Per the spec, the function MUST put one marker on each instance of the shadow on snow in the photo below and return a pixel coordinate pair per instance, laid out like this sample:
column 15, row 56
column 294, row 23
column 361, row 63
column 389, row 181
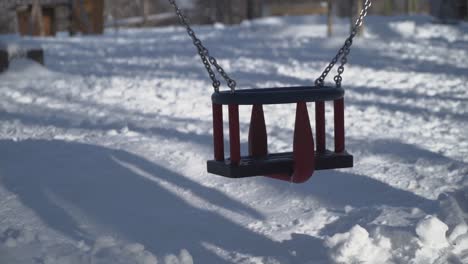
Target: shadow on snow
column 128, row 195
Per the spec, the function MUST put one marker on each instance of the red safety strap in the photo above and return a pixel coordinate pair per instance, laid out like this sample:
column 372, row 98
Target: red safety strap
column 303, row 146
column 303, row 149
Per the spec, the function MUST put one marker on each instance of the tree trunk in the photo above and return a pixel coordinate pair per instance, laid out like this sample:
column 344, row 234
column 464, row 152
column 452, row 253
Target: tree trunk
column 250, row 12
column 412, row 6
column 37, row 24
column 388, row 7
column 144, row 12
column 330, row 18
column 229, row 12
column 259, row 7
column 351, row 15
column 219, row 11
column 359, row 6
column 355, row 10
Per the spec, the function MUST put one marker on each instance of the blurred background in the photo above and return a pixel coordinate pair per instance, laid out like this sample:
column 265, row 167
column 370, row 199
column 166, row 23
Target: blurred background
column 46, row 17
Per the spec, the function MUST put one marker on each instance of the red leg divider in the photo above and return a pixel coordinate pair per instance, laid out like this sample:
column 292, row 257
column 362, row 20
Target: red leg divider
column 339, row 125
column 320, row 126
column 218, row 136
column 234, row 137
column 258, row 141
column 303, row 148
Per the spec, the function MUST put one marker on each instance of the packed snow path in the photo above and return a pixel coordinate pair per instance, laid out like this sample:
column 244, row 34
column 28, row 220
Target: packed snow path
column 102, row 152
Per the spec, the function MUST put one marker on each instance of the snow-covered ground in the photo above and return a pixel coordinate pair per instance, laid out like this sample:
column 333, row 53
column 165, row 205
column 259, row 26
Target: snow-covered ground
column 102, row 152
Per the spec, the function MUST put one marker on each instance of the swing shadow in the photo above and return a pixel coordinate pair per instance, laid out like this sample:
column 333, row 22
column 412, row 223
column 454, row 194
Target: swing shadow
column 359, row 56
column 67, row 120
column 84, row 58
column 365, row 195
column 370, row 196
column 381, row 61
column 129, row 197
column 91, row 57
column 413, row 110
column 383, row 29
column 338, row 189
column 407, row 94
column 401, row 152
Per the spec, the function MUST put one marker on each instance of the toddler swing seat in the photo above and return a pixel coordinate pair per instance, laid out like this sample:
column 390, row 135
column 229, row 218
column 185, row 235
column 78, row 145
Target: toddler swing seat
column 296, row 166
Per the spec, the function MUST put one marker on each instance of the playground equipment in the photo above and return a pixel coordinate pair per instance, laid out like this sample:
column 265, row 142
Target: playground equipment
column 36, row 18
column 307, row 156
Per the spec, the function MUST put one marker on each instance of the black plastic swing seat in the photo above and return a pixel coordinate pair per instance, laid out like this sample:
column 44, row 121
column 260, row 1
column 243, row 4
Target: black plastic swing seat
column 279, row 95
column 277, row 163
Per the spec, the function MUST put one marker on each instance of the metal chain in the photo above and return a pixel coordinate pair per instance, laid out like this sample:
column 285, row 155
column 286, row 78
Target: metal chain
column 205, row 56
column 344, row 51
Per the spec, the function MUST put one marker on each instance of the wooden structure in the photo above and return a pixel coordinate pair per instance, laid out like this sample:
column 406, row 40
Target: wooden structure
column 295, row 8
column 39, row 17
column 87, row 16
column 26, row 26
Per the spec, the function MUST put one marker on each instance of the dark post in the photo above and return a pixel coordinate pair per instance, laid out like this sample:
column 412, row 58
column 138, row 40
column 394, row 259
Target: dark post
column 320, row 126
column 234, row 136
column 339, row 125
column 218, row 136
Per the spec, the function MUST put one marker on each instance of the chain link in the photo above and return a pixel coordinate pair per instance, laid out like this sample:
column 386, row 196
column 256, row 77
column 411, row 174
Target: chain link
column 204, row 54
column 344, row 51
column 210, row 61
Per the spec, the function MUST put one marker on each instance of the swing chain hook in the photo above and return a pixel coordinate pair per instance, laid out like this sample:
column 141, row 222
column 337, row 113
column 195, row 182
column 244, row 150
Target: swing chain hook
column 344, row 51
column 204, row 54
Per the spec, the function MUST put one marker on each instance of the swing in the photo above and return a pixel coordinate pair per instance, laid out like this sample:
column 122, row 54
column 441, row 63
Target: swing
column 307, row 156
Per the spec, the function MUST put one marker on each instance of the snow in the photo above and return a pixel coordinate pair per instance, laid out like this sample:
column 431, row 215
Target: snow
column 431, row 231
column 356, row 246
column 103, row 150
